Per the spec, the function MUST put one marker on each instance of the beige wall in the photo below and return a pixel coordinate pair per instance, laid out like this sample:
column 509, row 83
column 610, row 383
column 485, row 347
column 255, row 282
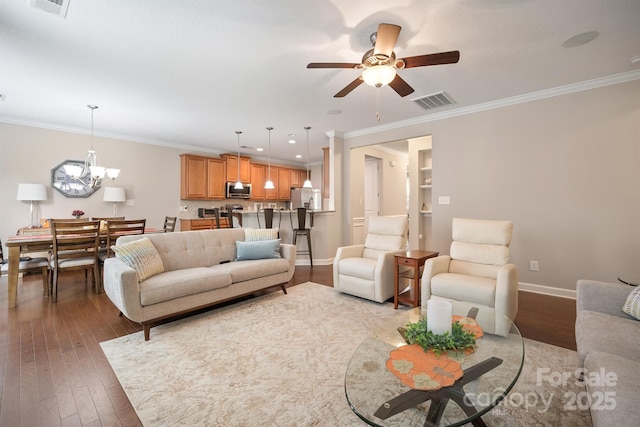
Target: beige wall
column 149, row 174
column 564, row 169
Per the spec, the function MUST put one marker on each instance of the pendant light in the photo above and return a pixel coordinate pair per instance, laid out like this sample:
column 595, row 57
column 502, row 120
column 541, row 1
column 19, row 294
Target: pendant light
column 307, row 182
column 238, row 185
column 269, row 184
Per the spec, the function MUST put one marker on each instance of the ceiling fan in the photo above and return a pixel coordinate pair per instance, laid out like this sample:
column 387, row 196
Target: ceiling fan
column 379, row 64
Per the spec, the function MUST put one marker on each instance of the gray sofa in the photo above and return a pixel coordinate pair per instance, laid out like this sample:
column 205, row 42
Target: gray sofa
column 199, row 270
column 609, row 349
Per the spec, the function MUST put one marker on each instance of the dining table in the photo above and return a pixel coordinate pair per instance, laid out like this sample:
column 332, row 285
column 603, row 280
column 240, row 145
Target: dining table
column 23, row 245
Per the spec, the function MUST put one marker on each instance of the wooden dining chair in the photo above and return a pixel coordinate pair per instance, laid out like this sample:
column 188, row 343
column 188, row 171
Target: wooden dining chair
column 75, row 247
column 169, row 224
column 117, row 228
column 28, row 265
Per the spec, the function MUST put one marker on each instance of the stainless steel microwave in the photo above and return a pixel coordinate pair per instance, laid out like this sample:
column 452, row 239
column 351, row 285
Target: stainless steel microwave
column 234, row 193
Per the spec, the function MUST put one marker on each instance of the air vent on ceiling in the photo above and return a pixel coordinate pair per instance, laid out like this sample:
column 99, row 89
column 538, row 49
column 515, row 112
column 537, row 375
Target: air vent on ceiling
column 435, row 100
column 56, row 7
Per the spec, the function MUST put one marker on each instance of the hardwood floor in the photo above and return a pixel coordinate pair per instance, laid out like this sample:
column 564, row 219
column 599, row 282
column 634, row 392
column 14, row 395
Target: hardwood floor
column 53, row 371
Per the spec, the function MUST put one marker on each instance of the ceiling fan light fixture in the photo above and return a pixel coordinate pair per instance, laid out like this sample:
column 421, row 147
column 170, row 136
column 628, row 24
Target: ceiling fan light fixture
column 379, row 75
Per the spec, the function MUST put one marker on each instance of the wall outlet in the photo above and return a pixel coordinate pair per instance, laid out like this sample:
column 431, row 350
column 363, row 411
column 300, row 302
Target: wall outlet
column 183, row 208
column 444, row 200
column 533, row 265
column 130, row 202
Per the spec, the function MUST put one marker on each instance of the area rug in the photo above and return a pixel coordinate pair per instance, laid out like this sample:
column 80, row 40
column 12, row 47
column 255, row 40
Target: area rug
column 281, row 359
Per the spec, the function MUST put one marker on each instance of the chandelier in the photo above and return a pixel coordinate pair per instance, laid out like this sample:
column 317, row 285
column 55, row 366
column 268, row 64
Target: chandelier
column 91, row 175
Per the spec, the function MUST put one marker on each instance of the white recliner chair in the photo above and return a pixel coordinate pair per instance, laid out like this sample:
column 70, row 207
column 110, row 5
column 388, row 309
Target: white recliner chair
column 366, row 271
column 476, row 273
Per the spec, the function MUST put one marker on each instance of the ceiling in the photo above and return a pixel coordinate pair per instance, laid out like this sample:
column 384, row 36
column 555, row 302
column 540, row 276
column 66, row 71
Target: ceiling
column 190, row 73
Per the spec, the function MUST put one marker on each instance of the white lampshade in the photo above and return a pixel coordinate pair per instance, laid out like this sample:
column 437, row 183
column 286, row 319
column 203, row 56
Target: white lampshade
column 114, row 194
column 269, row 185
column 307, row 184
column 379, row 75
column 31, row 192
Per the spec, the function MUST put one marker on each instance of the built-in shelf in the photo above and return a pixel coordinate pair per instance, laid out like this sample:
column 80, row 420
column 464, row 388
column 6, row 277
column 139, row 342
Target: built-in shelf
column 426, row 213
column 426, row 186
column 426, row 169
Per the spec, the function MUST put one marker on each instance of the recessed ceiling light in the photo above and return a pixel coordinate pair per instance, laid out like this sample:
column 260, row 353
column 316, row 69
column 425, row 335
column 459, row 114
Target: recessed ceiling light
column 292, row 141
column 259, row 149
column 580, row 39
column 336, row 111
column 635, row 60
column 298, row 156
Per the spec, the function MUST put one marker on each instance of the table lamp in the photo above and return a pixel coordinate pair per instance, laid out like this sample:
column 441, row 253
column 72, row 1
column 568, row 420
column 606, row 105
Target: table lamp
column 115, row 195
column 31, row 193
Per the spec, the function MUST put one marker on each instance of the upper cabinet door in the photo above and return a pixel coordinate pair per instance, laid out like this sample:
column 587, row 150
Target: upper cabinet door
column 193, row 177
column 284, row 184
column 216, row 178
column 258, row 178
column 232, row 168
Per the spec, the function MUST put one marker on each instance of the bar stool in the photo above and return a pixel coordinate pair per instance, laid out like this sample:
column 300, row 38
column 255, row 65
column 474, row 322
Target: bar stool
column 302, row 230
column 268, row 218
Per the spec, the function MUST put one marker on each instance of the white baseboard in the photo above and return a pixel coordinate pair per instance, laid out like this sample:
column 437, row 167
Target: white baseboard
column 304, row 260
column 547, row 290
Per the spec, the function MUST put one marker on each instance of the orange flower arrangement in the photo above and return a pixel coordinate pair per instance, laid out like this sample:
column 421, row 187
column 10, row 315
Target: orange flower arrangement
column 422, row 370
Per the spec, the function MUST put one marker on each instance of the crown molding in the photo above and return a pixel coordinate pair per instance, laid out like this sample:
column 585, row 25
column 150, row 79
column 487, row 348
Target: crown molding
column 505, row 102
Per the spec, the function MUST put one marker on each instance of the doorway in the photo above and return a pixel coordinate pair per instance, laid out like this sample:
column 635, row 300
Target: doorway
column 371, row 188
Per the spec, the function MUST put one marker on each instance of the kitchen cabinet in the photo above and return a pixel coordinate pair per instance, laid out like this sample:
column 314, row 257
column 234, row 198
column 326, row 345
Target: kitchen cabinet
column 284, row 183
column 273, row 193
column 193, row 177
column 201, row 224
column 216, row 178
column 258, row 178
column 202, row 178
column 232, row 168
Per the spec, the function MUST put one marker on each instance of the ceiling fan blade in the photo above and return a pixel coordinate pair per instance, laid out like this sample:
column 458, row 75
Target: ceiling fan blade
column 399, row 85
column 432, row 59
column 386, row 39
column 351, row 86
column 332, row 65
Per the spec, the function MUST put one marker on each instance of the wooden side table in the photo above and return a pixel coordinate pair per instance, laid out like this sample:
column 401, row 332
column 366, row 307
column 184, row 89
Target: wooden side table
column 411, row 261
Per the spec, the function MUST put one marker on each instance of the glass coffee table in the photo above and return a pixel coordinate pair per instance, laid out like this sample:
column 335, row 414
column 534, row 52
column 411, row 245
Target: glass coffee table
column 379, row 398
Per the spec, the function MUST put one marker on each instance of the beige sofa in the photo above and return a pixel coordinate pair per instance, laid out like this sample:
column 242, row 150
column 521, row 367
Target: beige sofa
column 199, row 270
column 608, row 348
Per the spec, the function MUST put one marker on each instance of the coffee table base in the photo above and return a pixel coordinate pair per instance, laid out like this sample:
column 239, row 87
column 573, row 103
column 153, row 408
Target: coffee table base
column 440, row 398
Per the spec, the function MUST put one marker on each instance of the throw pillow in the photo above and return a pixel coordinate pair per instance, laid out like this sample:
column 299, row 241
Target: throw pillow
column 142, row 256
column 257, row 235
column 264, row 249
column 632, row 304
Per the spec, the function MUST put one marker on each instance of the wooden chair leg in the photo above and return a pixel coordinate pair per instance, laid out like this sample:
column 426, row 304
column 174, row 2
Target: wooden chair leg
column 45, row 281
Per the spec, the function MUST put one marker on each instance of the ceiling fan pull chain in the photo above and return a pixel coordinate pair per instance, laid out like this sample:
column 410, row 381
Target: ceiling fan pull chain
column 377, row 104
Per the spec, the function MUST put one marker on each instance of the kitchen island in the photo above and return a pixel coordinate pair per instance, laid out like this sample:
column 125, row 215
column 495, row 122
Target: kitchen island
column 322, row 244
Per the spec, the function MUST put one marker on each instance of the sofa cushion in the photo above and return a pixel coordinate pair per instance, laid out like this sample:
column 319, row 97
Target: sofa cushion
column 259, row 234
column 241, row 271
column 632, row 304
column 265, row 249
column 613, row 381
column 364, row 268
column 179, row 283
column 142, row 256
column 597, row 331
column 458, row 287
